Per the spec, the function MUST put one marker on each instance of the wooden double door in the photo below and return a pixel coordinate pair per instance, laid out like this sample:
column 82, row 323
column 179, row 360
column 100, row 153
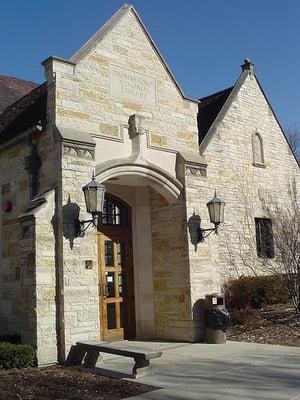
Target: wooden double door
column 116, row 281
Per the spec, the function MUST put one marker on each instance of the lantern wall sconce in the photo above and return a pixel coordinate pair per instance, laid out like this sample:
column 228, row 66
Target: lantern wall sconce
column 216, row 214
column 94, row 200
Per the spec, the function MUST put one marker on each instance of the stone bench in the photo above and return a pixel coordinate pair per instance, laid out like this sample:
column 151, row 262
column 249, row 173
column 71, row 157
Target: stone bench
column 89, row 352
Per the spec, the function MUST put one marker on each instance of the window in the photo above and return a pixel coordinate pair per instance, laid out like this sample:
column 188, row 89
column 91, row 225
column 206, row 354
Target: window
column 114, row 212
column 264, row 238
column 258, row 152
column 32, row 166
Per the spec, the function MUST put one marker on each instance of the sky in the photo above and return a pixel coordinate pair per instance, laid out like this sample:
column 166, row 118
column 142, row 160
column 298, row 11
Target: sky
column 203, row 41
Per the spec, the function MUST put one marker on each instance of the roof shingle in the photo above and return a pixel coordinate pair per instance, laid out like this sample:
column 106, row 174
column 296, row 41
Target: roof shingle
column 23, row 113
column 209, row 108
column 12, row 89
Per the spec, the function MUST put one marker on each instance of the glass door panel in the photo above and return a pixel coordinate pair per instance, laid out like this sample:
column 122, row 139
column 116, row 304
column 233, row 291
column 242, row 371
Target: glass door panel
column 109, row 253
column 110, row 284
column 113, row 283
column 111, row 316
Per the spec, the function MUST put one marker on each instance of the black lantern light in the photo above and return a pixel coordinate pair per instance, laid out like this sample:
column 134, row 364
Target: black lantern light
column 94, row 200
column 216, row 214
column 94, row 196
column 216, row 210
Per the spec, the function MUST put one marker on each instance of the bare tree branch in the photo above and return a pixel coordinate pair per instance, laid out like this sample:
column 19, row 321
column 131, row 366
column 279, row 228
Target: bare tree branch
column 286, row 232
column 293, row 137
column 240, row 241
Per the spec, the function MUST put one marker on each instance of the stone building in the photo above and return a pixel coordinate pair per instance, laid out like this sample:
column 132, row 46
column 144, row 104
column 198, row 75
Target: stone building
column 115, row 107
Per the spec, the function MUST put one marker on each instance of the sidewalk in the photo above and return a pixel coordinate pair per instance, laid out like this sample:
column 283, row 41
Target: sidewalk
column 235, row 370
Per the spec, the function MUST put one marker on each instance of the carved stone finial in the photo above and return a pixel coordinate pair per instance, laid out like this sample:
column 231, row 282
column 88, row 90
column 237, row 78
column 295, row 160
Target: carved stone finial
column 248, row 65
column 136, row 125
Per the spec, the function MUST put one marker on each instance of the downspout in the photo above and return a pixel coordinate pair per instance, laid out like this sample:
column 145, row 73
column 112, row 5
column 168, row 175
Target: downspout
column 59, row 278
column 59, row 269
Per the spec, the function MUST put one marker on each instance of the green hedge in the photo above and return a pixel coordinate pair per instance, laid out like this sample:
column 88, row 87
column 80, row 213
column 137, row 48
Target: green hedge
column 254, row 292
column 16, row 356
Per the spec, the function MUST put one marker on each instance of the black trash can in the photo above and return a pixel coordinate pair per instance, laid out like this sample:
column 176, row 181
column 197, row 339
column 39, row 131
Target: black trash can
column 217, row 318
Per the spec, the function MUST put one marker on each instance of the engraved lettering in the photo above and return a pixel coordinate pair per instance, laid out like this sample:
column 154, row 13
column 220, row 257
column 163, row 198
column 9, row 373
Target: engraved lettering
column 132, row 86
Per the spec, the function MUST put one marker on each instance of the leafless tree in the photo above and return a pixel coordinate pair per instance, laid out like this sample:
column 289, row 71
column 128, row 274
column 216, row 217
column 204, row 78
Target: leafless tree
column 241, row 244
column 286, row 235
column 293, row 137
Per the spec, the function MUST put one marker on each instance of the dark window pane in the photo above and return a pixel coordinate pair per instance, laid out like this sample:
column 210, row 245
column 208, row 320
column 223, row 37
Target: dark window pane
column 120, row 283
column 110, row 284
column 114, row 213
column 111, row 316
column 121, row 253
column 124, row 285
column 258, row 237
column 109, row 253
column 264, row 238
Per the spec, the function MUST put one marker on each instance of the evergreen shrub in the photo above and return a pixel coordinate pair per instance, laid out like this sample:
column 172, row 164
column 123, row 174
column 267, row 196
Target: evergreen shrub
column 16, row 355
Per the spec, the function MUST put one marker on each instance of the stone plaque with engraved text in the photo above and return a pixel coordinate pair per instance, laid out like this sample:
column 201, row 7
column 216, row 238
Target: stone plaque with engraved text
column 132, row 86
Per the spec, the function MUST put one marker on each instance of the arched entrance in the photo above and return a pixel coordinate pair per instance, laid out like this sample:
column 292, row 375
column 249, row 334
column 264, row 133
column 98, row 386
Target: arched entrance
column 116, row 294
column 139, row 174
column 144, row 187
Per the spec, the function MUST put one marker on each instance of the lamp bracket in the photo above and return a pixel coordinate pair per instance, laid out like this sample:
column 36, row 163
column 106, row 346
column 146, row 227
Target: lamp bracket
column 82, row 226
column 202, row 235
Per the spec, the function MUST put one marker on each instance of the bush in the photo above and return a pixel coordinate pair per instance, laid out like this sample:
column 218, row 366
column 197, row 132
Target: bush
column 16, row 356
column 248, row 318
column 254, row 292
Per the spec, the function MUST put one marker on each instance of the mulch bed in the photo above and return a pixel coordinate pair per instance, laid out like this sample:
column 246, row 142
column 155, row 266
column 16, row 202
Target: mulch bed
column 277, row 324
column 62, row 383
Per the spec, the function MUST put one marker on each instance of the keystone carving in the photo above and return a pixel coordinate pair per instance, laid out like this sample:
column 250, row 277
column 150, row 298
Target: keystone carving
column 136, row 125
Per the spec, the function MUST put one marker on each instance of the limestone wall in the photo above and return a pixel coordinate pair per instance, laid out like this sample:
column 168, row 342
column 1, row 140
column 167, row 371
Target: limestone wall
column 80, row 284
column 171, row 285
column 38, row 279
column 19, row 245
column 27, row 259
column 243, row 187
column 46, row 307
column 48, row 292
column 95, row 95
column 26, row 301
column 14, row 188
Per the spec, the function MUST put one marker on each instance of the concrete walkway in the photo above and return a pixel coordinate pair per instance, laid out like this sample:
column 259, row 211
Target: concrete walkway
column 235, row 370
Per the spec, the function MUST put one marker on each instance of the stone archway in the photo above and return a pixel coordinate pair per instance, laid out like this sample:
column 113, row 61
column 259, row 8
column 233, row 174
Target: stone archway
column 135, row 182
column 141, row 174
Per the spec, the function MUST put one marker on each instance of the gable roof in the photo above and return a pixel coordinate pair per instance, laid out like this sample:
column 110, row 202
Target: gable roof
column 23, row 113
column 12, row 89
column 277, row 120
column 209, row 108
column 225, row 102
column 216, row 105
column 108, row 26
